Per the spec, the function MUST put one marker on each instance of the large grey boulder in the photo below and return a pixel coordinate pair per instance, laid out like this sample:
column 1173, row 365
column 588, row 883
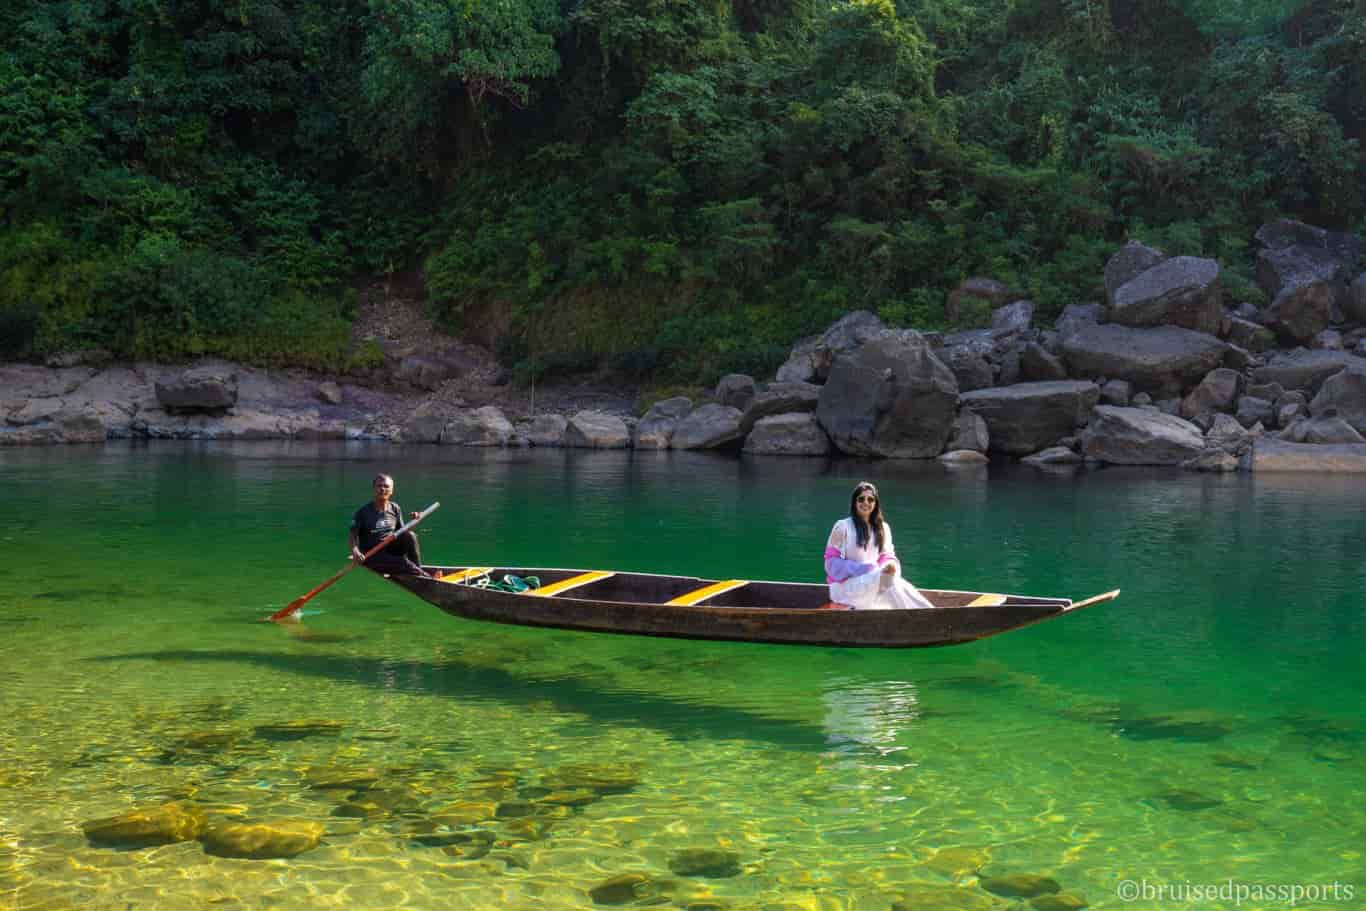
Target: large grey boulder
column 989, row 343
column 1355, row 305
column 1227, row 434
column 1270, row 454
column 1304, row 369
column 1325, row 430
column 597, row 430
column 1286, row 232
column 1015, row 317
column 1250, row 335
column 846, row 334
column 1076, row 317
column 890, row 398
column 969, row 433
column 1027, row 417
column 486, row 426
column 1344, row 394
column 797, row 434
column 736, row 390
column 1116, row 392
column 1128, row 263
column 709, row 427
column 1302, row 284
column 1137, row 436
column 812, row 357
column 546, row 430
column 1165, row 360
column 1182, row 291
column 1253, row 410
column 800, row 366
column 971, row 369
column 198, row 389
column 1218, row 391
column 779, row 398
column 424, row 425
column 656, row 428
column 1038, row 365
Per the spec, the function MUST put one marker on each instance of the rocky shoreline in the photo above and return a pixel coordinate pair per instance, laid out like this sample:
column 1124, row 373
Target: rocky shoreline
column 1165, row 372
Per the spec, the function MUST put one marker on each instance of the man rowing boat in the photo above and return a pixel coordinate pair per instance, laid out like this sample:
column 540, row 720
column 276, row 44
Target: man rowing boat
column 380, row 517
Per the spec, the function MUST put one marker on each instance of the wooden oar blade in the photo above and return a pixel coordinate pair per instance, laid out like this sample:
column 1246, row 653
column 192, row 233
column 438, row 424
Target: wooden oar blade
column 288, row 611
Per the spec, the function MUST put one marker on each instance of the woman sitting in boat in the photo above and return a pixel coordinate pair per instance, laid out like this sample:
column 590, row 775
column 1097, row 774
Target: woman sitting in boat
column 860, row 561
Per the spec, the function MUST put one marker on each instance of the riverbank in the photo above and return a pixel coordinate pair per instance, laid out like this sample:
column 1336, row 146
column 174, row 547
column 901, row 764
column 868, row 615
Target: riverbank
column 1165, row 372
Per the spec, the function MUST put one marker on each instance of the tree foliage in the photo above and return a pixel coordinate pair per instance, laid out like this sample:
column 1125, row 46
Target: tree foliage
column 663, row 187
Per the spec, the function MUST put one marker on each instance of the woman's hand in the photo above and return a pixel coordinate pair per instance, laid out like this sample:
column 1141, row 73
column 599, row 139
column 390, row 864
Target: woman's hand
column 356, row 554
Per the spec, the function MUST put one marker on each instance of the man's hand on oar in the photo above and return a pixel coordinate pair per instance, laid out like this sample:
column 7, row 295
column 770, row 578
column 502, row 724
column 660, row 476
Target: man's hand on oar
column 357, row 558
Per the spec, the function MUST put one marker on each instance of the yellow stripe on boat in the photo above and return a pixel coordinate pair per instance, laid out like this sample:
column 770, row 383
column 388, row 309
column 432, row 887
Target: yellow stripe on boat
column 988, row 600
column 473, row 572
column 710, row 591
column 546, row 591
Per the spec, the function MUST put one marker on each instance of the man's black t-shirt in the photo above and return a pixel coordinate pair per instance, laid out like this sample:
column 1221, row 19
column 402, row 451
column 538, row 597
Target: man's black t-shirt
column 371, row 525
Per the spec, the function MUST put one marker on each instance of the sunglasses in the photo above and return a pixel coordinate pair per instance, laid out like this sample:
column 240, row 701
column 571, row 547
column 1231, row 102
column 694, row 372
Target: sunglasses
column 866, row 499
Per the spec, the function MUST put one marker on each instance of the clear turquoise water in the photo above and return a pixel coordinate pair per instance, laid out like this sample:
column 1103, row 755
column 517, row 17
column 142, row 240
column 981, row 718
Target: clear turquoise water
column 1204, row 728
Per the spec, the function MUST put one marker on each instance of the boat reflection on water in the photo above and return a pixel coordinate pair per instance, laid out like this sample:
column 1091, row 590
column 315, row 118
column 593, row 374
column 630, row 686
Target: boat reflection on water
column 869, row 719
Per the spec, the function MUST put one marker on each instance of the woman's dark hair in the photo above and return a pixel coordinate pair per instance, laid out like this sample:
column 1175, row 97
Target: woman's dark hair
column 861, row 529
column 381, row 477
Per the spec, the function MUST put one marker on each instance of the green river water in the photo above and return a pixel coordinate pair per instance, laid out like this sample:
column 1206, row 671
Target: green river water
column 1204, row 730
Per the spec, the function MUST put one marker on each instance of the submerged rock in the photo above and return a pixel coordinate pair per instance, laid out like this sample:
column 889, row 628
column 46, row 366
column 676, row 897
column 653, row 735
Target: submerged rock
column 577, row 797
column 1195, row 728
column 939, row 897
column 959, row 861
column 200, row 745
column 264, row 840
column 465, row 813
column 1058, row 901
column 712, row 863
column 163, row 825
column 1019, row 885
column 1185, row 799
column 332, row 778
column 620, row 889
column 603, row 779
column 298, row 730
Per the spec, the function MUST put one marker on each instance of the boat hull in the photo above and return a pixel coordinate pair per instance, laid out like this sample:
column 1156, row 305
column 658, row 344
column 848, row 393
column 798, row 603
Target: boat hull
column 769, row 612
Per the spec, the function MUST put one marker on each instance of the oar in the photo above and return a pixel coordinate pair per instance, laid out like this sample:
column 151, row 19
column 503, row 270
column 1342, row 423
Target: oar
column 289, row 610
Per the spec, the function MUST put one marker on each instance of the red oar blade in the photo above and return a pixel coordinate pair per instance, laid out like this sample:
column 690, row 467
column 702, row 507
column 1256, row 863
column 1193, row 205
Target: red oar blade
column 287, row 612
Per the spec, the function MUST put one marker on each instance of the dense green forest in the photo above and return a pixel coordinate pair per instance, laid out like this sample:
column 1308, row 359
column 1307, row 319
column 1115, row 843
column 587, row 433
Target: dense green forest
column 665, row 188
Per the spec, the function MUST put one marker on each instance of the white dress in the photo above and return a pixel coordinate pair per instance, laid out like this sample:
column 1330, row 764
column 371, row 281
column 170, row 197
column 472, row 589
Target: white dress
column 874, row 590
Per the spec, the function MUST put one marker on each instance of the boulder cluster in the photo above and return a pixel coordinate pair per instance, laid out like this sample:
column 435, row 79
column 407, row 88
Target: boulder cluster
column 1161, row 373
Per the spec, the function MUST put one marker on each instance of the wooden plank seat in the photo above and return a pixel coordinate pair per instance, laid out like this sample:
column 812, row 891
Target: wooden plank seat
column 988, row 600
column 708, row 591
column 465, row 575
column 564, row 585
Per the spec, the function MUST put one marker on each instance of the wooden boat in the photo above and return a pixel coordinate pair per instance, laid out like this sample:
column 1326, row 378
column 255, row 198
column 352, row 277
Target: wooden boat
column 686, row 607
